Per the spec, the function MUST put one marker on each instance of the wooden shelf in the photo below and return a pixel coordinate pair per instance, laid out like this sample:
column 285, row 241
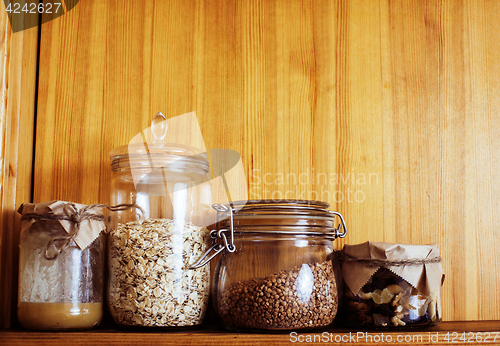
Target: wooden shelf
column 212, row 335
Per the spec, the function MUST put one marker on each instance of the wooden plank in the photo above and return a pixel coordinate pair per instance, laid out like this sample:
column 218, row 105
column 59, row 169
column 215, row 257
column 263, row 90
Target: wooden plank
column 486, row 144
column 74, row 116
column 444, row 334
column 392, row 99
column 18, row 63
column 6, row 246
column 439, row 149
column 361, row 136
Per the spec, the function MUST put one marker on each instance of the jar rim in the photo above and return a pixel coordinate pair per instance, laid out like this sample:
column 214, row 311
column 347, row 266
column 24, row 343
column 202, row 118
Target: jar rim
column 151, row 161
column 328, row 233
column 280, row 207
column 293, row 217
column 158, row 154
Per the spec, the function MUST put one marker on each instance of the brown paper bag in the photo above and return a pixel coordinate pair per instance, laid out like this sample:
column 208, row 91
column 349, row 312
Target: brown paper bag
column 419, row 265
column 81, row 222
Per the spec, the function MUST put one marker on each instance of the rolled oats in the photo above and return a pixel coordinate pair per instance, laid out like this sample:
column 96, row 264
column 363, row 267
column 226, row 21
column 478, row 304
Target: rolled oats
column 150, row 284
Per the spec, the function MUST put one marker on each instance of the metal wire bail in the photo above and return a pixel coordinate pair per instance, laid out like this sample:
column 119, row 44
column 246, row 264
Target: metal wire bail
column 339, row 234
column 217, row 234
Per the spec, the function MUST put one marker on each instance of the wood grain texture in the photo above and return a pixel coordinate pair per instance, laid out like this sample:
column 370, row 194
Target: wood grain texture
column 386, row 109
column 472, row 332
column 18, row 58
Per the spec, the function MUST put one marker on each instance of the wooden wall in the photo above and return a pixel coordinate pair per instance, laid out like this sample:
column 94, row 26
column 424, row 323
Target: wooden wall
column 395, row 102
column 18, row 56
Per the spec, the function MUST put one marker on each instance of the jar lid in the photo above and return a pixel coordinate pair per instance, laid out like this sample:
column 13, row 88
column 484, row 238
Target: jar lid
column 158, row 153
column 280, row 207
column 273, row 217
column 294, row 217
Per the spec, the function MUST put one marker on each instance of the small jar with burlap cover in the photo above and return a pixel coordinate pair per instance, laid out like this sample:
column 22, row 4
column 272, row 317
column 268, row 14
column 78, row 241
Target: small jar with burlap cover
column 61, row 265
column 389, row 286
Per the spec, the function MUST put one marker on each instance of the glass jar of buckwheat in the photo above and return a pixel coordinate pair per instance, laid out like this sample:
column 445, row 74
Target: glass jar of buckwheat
column 277, row 268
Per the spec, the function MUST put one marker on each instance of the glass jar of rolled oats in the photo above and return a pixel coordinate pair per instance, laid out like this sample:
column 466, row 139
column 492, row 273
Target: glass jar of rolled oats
column 277, row 268
column 152, row 246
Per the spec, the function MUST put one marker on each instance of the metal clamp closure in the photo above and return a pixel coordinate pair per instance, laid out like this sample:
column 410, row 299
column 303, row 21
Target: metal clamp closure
column 339, row 234
column 217, row 234
column 223, row 238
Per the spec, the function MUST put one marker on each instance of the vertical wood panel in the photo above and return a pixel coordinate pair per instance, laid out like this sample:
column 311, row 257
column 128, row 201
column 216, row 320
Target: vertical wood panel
column 18, row 57
column 395, row 100
column 74, row 114
column 452, row 134
column 361, row 125
column 6, row 245
column 483, row 155
column 328, row 38
column 127, row 75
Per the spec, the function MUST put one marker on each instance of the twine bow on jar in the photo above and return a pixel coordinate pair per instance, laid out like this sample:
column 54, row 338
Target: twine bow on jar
column 76, row 216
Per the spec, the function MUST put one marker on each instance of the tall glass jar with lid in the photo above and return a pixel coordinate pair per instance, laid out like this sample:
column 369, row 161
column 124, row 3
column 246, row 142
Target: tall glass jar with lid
column 277, row 268
column 153, row 244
